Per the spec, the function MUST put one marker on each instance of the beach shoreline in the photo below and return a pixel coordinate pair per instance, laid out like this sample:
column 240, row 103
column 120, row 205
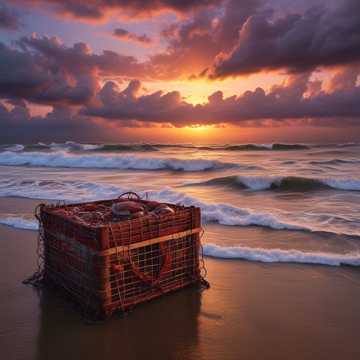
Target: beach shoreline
column 252, row 311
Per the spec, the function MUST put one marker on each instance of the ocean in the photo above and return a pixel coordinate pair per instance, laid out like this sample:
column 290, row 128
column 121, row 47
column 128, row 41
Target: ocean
column 293, row 203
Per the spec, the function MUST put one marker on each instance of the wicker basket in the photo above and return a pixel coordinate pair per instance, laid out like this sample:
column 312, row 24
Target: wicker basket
column 117, row 265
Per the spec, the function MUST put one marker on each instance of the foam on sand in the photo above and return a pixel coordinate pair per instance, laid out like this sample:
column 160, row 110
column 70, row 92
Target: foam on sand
column 19, row 222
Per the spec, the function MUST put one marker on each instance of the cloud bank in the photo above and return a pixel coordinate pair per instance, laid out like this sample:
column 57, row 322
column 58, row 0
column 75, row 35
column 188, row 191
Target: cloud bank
column 295, row 42
column 211, row 39
column 218, row 39
column 97, row 9
column 286, row 102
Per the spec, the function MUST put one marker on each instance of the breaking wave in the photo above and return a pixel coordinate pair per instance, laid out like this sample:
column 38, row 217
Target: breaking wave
column 124, row 147
column 15, row 147
column 223, row 214
column 281, row 256
column 58, row 190
column 286, row 183
column 335, row 162
column 226, row 214
column 235, row 252
column 238, row 147
column 75, row 147
column 275, row 147
column 92, row 161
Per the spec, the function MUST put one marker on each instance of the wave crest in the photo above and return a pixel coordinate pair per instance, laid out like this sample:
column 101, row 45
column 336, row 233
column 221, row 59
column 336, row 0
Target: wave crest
column 286, row 183
column 281, row 256
column 123, row 162
column 74, row 146
column 234, row 252
column 221, row 213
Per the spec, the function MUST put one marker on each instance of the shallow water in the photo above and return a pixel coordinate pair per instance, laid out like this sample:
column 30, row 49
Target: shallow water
column 312, row 191
column 298, row 205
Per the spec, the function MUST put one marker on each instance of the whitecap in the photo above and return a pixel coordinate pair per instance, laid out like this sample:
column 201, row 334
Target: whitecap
column 280, row 255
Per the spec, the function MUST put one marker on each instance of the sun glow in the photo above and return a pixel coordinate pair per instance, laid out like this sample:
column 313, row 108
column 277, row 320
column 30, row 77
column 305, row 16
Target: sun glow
column 197, row 91
column 199, row 128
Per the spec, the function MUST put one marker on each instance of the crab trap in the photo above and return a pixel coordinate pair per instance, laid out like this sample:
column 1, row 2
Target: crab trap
column 114, row 254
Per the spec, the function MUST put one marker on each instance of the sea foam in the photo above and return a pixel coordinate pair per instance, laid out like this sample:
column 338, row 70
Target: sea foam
column 236, row 252
column 19, row 222
column 74, row 191
column 281, row 256
column 221, row 213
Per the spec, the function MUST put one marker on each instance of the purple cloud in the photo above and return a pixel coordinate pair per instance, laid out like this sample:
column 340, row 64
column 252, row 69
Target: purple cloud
column 282, row 103
column 61, row 124
column 296, row 42
column 111, row 109
column 9, row 19
column 97, row 9
column 43, row 70
column 123, row 34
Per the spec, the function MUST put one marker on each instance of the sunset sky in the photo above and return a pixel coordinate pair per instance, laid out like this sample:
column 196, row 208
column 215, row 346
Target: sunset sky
column 201, row 71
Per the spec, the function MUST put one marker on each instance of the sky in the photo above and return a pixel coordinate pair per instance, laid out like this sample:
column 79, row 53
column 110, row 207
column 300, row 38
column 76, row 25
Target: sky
column 200, row 71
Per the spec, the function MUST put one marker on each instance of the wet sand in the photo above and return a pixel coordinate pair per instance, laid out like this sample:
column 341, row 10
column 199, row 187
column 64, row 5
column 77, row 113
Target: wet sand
column 252, row 311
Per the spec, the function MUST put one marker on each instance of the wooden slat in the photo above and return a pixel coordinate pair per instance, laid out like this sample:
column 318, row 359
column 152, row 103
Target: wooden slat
column 157, row 240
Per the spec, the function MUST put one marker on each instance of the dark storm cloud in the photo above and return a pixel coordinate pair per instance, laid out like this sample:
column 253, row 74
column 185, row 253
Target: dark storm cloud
column 80, row 59
column 129, row 36
column 285, row 105
column 61, row 124
column 296, row 42
column 44, row 70
column 224, row 38
column 288, row 101
column 195, row 41
column 9, row 19
column 96, row 9
column 128, row 105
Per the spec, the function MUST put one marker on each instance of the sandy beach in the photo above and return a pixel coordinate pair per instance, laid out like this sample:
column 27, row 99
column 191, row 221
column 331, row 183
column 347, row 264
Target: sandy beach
column 251, row 311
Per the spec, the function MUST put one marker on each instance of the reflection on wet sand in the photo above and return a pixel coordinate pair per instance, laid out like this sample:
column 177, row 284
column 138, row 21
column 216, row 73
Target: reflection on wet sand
column 252, row 311
column 166, row 328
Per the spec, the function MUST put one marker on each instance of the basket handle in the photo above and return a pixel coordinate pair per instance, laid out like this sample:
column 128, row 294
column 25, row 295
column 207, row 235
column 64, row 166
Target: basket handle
column 130, row 195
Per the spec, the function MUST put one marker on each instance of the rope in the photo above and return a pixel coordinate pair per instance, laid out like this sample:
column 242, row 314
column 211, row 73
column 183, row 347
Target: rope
column 203, row 271
column 118, row 259
column 37, row 278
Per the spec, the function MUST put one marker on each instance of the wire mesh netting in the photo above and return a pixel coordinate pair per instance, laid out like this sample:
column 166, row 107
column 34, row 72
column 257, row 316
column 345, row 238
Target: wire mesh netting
column 114, row 264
